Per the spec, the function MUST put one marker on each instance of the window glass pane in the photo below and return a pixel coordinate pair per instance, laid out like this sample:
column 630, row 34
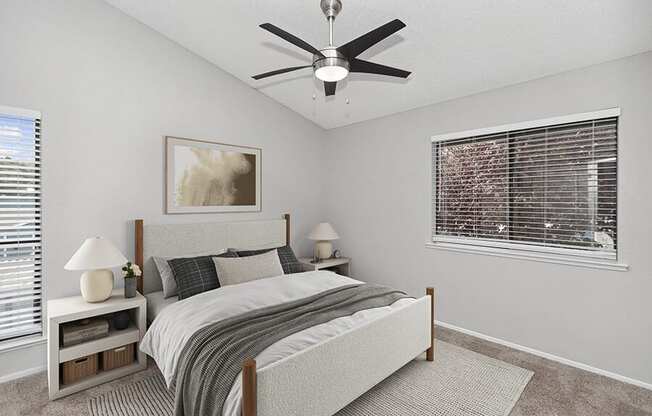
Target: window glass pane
column 20, row 227
column 473, row 189
column 553, row 186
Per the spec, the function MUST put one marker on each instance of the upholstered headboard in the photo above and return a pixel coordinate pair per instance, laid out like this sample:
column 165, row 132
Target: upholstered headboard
column 179, row 240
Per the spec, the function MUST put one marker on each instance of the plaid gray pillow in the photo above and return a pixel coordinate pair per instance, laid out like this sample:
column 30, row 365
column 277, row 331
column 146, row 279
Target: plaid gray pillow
column 195, row 275
column 288, row 260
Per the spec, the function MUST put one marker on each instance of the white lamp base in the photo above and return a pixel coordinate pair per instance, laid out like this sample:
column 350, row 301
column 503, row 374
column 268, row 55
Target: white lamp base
column 324, row 249
column 96, row 285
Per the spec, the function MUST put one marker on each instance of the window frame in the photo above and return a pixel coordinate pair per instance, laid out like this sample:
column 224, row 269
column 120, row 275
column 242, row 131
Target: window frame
column 558, row 255
column 41, row 337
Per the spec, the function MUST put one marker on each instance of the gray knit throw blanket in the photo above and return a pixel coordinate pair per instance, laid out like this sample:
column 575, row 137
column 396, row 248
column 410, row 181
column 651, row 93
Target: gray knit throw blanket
column 212, row 358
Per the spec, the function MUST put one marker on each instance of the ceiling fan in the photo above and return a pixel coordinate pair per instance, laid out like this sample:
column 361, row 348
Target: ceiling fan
column 332, row 64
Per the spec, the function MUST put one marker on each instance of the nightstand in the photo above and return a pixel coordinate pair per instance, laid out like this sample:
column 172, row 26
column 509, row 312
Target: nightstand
column 74, row 308
column 340, row 266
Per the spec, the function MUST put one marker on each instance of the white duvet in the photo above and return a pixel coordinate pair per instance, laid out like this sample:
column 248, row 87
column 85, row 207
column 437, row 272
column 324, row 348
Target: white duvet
column 168, row 334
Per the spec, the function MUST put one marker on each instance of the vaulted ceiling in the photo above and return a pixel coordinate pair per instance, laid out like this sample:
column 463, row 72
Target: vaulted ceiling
column 453, row 48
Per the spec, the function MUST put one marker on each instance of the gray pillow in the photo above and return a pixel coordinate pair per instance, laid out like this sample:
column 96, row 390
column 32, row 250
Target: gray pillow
column 233, row 271
column 167, row 277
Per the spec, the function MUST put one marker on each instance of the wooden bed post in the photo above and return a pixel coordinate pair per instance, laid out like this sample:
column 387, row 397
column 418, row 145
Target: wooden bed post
column 139, row 252
column 287, row 229
column 249, row 388
column 430, row 352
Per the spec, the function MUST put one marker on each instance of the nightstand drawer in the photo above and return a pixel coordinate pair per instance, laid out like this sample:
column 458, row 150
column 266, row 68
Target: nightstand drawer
column 117, row 357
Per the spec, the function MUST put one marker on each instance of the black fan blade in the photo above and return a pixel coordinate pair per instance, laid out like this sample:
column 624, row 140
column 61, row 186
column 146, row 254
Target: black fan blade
column 290, row 38
column 329, row 88
column 279, row 71
column 358, row 65
column 366, row 41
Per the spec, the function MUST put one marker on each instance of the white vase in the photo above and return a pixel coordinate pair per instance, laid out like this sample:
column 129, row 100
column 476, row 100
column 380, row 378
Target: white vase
column 96, row 285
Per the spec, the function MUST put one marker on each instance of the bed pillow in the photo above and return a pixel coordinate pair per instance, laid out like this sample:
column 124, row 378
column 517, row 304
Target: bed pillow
column 288, row 260
column 167, row 277
column 195, row 275
column 233, row 271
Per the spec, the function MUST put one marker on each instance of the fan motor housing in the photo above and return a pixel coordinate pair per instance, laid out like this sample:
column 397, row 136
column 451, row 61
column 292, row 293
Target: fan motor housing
column 331, row 58
column 331, row 8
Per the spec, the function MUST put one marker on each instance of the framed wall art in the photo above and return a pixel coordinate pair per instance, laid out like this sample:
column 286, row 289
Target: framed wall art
column 204, row 176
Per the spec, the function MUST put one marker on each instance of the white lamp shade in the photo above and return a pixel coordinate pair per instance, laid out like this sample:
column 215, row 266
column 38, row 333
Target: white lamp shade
column 323, row 232
column 96, row 253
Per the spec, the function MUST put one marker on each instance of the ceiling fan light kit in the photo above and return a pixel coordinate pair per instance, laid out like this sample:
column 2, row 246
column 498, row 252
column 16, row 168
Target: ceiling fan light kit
column 332, row 64
column 332, row 67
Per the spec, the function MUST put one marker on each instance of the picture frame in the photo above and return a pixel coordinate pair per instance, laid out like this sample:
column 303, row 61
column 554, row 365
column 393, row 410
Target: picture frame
column 204, row 176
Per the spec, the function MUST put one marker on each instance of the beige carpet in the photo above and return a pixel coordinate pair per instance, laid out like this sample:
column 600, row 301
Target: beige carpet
column 459, row 383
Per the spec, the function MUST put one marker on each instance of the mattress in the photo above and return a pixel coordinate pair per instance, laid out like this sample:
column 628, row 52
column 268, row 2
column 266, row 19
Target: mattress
column 166, row 338
column 156, row 302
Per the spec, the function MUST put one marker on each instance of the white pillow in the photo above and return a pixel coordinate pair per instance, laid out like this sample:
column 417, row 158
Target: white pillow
column 232, row 271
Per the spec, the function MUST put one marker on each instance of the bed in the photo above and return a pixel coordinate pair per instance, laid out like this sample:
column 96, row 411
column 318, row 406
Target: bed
column 349, row 354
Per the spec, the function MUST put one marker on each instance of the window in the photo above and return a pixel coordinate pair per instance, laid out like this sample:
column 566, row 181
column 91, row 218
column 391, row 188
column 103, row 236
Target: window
column 548, row 187
column 20, row 224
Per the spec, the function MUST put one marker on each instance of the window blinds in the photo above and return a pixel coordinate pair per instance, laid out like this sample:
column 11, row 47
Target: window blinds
column 549, row 189
column 20, row 226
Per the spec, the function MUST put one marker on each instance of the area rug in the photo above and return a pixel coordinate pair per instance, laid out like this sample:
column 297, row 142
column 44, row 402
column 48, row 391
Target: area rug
column 459, row 383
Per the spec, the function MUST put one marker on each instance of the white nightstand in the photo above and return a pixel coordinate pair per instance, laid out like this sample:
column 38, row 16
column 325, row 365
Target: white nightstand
column 64, row 310
column 340, row 266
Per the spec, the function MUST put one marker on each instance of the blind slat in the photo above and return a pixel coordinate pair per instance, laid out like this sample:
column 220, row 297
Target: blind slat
column 25, row 330
column 18, row 318
column 554, row 152
column 503, row 168
column 20, row 311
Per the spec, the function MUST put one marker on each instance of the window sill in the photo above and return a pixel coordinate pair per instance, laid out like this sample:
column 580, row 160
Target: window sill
column 540, row 257
column 21, row 343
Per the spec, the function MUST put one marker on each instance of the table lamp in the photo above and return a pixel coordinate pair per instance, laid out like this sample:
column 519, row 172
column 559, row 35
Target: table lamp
column 323, row 233
column 96, row 256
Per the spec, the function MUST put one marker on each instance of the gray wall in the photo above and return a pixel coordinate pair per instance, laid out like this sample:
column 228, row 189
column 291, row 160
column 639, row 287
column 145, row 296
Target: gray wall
column 378, row 200
column 109, row 89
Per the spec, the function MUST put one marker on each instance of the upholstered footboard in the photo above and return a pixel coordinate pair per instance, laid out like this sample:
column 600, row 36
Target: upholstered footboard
column 323, row 379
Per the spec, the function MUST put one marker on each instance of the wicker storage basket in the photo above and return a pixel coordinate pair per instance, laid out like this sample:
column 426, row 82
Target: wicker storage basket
column 79, row 368
column 117, row 357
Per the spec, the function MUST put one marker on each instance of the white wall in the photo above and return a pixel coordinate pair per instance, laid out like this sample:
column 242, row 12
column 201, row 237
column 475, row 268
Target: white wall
column 109, row 89
column 378, row 194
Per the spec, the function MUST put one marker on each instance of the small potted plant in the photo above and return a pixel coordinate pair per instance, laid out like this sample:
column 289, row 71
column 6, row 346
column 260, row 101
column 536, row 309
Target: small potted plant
column 130, row 271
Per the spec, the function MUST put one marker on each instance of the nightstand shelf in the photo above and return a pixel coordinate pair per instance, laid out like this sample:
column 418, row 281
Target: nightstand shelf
column 61, row 311
column 101, row 378
column 116, row 338
column 340, row 266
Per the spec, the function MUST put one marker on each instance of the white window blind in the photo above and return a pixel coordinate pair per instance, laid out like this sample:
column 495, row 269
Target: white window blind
column 549, row 189
column 20, row 225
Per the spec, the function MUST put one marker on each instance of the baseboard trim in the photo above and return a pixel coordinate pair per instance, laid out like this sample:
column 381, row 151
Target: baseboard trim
column 549, row 356
column 22, row 373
